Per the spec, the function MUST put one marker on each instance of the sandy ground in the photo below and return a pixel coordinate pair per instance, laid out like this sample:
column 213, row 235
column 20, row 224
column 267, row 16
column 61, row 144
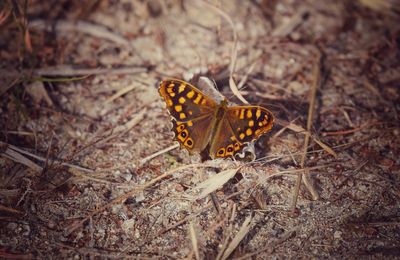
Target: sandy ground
column 80, row 118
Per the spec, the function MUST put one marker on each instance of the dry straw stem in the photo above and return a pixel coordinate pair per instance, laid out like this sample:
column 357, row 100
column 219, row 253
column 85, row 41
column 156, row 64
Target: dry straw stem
column 10, row 210
column 4, row 14
column 122, row 92
column 232, row 65
column 69, row 229
column 213, row 183
column 301, row 130
column 38, row 92
column 12, row 77
column 95, row 30
column 32, row 165
column 244, row 229
column 350, row 131
column 193, row 239
column 19, row 158
column 65, row 71
column 69, row 71
column 314, row 87
column 154, row 155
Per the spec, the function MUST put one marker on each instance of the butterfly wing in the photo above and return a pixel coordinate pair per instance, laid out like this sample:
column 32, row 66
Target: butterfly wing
column 192, row 113
column 240, row 125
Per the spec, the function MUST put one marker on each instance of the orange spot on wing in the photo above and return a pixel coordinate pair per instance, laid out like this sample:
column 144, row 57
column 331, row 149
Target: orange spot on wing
column 190, row 94
column 249, row 132
column 178, row 108
column 182, row 100
column 182, row 115
column 249, row 113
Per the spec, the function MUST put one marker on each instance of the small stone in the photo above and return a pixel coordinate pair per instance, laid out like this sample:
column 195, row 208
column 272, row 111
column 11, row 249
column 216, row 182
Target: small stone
column 140, row 197
column 137, row 234
column 27, row 230
column 12, row 226
column 337, row 235
column 179, row 187
column 128, row 224
column 51, row 224
column 127, row 176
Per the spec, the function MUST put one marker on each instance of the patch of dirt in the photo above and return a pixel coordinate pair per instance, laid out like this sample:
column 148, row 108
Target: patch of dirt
column 81, row 118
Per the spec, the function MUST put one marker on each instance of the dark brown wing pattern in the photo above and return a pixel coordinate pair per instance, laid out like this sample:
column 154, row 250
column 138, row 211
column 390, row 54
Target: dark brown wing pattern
column 240, row 125
column 192, row 113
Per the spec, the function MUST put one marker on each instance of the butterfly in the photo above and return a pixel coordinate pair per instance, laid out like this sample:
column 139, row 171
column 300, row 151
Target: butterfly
column 199, row 122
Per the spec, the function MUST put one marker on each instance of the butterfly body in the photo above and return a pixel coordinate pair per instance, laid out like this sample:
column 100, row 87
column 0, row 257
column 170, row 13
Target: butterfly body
column 198, row 121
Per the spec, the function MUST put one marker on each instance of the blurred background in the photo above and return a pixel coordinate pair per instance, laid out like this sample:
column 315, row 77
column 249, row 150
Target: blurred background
column 80, row 115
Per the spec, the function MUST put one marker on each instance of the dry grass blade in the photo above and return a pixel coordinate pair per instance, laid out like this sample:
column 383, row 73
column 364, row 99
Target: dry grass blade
column 314, row 87
column 4, row 14
column 19, row 158
column 121, row 92
column 244, row 229
column 154, row 155
column 235, row 90
column 215, row 182
column 193, row 239
column 10, row 210
column 325, row 147
column 42, row 159
column 299, row 129
column 80, row 26
column 27, row 41
column 232, row 65
column 38, row 92
column 69, row 71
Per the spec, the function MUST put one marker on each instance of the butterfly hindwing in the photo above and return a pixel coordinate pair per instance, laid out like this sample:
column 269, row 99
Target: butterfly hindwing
column 194, row 135
column 225, row 143
column 249, row 122
column 184, row 101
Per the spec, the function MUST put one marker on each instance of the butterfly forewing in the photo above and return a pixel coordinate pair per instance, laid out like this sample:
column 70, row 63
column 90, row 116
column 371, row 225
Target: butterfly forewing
column 192, row 113
column 184, row 101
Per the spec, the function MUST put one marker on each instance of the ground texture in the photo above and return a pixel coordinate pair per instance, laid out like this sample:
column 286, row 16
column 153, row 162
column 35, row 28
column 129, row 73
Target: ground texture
column 80, row 118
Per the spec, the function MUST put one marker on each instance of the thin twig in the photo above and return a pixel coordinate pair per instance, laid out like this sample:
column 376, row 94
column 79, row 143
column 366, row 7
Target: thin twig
column 148, row 158
column 70, row 71
column 314, row 87
column 92, row 29
column 43, row 159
